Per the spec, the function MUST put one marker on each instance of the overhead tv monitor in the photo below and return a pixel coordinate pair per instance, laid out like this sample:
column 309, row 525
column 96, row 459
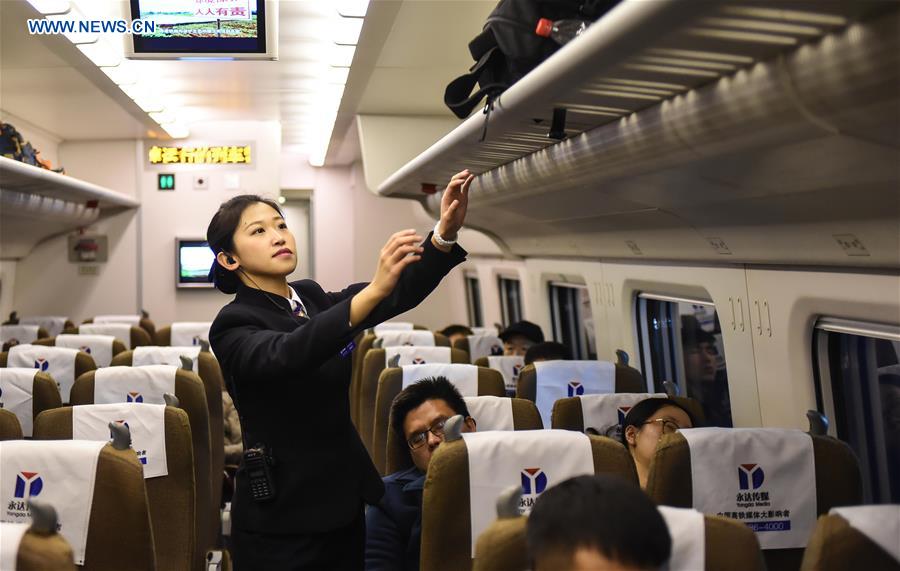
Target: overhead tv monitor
column 205, row 29
column 193, row 258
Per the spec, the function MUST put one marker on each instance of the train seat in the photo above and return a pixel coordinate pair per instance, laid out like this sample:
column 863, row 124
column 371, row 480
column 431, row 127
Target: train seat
column 467, row 474
column 776, row 480
column 27, row 392
column 98, row 491
column 101, row 347
column 855, row 537
column 468, row 379
column 63, row 364
column 160, row 433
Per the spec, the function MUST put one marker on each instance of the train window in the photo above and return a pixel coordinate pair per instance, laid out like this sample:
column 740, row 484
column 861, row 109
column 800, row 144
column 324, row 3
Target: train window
column 681, row 341
column 573, row 322
column 858, row 381
column 510, row 300
column 473, row 301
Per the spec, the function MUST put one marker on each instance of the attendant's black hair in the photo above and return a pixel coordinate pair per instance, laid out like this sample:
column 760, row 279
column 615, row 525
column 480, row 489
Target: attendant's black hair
column 431, row 388
column 644, row 411
column 548, row 351
column 220, row 236
column 604, row 512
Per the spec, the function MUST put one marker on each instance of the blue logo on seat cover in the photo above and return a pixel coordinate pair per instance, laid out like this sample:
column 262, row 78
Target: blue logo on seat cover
column 534, row 481
column 30, row 479
column 86, row 349
column 750, row 475
column 575, row 389
column 516, row 370
column 134, row 397
column 42, row 364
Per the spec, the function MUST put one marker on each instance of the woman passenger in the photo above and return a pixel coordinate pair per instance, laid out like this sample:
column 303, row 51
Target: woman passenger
column 645, row 425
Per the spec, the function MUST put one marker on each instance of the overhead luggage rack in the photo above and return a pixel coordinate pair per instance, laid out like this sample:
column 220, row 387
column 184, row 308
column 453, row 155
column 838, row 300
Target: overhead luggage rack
column 36, row 203
column 641, row 54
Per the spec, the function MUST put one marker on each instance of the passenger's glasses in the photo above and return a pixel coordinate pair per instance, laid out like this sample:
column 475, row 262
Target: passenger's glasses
column 418, row 439
column 668, row 426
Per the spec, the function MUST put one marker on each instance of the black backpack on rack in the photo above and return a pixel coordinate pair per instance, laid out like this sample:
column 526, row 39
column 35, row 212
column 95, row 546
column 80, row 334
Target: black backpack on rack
column 508, row 47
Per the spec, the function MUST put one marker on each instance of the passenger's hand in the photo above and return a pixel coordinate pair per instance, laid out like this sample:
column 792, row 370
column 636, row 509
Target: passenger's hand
column 454, row 204
column 401, row 250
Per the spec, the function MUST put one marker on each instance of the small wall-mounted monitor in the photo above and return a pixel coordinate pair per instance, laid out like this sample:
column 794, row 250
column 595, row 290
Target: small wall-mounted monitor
column 205, row 29
column 193, row 259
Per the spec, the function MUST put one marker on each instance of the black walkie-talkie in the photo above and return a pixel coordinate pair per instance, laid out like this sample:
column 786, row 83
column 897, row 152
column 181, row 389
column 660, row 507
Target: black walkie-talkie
column 258, row 469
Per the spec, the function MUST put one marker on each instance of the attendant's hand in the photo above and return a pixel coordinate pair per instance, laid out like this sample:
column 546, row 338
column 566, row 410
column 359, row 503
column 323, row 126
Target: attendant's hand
column 454, row 204
column 401, row 250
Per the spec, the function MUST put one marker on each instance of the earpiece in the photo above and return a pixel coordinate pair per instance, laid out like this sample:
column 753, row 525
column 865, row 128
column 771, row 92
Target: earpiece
column 229, row 259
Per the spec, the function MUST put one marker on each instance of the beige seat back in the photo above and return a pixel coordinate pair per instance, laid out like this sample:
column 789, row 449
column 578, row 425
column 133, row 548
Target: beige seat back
column 373, row 364
column 389, row 386
column 83, row 364
column 189, row 390
column 171, row 497
column 10, row 429
column 213, row 384
column 44, row 395
column 117, row 346
column 568, row 413
column 836, row 545
column 446, row 516
column 838, row 483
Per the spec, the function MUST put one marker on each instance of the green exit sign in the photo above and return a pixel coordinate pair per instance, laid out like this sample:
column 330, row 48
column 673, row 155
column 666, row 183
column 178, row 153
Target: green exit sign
column 165, row 182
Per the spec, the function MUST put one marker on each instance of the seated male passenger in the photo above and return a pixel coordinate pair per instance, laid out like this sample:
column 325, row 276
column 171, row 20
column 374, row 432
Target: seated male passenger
column 547, row 351
column 455, row 332
column 645, row 424
column 519, row 337
column 705, row 382
column 394, row 526
column 596, row 523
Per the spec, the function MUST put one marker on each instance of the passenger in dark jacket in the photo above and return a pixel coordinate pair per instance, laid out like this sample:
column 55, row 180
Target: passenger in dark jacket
column 394, row 525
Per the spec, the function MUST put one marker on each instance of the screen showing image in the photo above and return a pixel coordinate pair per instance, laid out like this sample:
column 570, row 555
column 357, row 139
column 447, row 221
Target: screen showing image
column 194, row 260
column 201, row 26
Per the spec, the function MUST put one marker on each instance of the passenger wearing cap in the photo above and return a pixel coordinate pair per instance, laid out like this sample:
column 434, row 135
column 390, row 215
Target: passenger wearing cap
column 394, row 525
column 596, row 523
column 519, row 337
column 645, row 424
column 455, row 333
column 705, row 382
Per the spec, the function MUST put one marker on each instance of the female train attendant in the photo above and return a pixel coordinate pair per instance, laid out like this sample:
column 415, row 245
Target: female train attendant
column 285, row 354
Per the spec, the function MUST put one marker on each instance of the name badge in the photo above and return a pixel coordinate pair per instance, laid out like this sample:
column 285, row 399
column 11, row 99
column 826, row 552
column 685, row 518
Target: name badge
column 345, row 352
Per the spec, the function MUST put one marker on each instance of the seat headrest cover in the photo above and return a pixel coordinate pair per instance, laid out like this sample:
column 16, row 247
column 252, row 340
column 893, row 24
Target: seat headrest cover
column 146, row 422
column 132, row 320
column 10, row 538
column 189, row 333
column 61, row 473
column 491, row 413
column 510, row 367
column 765, row 477
column 134, row 384
column 410, row 337
column 414, row 355
column 17, row 396
column 19, row 333
column 121, row 331
column 601, row 412
column 484, row 346
column 53, row 324
column 155, row 355
column 392, row 326
column 687, row 529
column 58, row 362
column 561, row 379
column 484, row 331
column 534, row 459
column 880, row 523
column 463, row 377
column 99, row 347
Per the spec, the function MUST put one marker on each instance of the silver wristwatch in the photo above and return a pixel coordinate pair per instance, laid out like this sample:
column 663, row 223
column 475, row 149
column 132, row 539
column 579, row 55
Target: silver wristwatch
column 439, row 239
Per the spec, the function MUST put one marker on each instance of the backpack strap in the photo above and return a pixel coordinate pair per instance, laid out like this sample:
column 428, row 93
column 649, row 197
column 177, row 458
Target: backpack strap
column 457, row 95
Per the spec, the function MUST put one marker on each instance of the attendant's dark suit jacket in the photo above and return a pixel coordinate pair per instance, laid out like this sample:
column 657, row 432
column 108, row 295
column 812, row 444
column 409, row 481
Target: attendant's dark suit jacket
column 290, row 386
